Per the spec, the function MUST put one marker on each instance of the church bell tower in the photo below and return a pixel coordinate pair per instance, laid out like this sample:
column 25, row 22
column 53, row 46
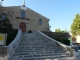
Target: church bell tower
column 23, row 7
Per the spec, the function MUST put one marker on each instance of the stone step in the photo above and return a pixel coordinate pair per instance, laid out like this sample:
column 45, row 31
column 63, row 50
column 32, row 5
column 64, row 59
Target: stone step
column 37, row 49
column 34, row 47
column 36, row 57
column 32, row 50
column 40, row 52
column 34, row 53
column 38, row 45
column 36, row 42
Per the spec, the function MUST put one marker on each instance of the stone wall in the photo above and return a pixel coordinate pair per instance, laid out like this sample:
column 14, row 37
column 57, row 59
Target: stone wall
column 3, row 50
column 31, row 24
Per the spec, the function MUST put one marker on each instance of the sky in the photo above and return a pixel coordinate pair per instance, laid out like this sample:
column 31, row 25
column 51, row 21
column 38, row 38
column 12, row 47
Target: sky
column 60, row 12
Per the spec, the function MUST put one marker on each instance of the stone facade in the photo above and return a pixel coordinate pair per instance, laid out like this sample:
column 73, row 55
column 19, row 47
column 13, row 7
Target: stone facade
column 31, row 19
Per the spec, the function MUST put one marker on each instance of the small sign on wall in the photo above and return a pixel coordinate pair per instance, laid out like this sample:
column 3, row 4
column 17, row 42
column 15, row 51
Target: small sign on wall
column 2, row 39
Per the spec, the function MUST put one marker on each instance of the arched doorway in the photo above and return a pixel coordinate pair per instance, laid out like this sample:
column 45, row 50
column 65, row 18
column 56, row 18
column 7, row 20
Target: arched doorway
column 22, row 26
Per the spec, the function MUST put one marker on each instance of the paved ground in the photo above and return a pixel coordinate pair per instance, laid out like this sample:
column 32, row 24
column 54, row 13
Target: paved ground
column 2, row 58
column 68, row 58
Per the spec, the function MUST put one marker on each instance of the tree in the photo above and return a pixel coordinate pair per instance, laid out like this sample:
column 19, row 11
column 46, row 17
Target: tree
column 75, row 27
column 5, row 25
column 65, row 31
column 62, row 31
column 2, row 0
column 57, row 30
column 1, row 8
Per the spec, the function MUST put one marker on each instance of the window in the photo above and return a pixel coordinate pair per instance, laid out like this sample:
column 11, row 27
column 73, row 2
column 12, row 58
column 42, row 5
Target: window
column 23, row 14
column 3, row 16
column 40, row 22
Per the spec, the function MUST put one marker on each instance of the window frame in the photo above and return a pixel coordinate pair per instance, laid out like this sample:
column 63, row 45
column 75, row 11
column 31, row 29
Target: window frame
column 40, row 21
column 23, row 14
column 3, row 14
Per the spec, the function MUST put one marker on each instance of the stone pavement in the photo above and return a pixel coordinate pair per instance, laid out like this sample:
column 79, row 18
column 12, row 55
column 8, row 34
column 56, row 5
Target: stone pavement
column 2, row 58
column 70, row 58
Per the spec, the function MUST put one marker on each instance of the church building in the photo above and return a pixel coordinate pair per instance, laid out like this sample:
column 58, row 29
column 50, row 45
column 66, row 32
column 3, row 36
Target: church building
column 22, row 17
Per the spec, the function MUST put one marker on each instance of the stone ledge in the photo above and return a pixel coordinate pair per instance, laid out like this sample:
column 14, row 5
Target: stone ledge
column 3, row 50
column 23, row 18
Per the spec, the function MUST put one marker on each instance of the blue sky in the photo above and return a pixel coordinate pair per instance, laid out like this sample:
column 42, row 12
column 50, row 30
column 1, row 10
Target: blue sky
column 60, row 12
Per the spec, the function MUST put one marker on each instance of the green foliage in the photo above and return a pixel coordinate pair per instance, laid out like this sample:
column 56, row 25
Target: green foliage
column 57, row 30
column 5, row 25
column 64, row 41
column 61, row 31
column 0, row 16
column 2, row 0
column 61, row 37
column 75, row 27
column 11, row 35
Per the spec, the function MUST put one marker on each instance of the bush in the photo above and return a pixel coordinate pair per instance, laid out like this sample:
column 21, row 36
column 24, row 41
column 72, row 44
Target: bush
column 6, row 27
column 64, row 41
column 59, row 37
column 11, row 35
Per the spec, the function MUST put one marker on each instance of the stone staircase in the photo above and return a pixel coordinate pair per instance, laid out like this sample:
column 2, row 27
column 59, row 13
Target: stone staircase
column 34, row 47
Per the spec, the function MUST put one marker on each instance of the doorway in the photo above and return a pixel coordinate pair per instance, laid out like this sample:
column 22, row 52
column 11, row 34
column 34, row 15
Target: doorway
column 22, row 26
